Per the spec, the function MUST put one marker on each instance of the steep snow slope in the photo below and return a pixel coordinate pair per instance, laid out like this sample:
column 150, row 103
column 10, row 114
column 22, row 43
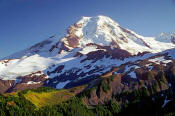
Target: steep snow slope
column 91, row 47
column 104, row 31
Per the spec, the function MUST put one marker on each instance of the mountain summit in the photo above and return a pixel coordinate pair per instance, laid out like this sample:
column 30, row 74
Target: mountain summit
column 103, row 31
column 91, row 47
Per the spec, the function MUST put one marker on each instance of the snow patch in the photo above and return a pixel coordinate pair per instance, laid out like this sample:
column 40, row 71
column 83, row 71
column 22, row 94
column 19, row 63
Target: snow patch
column 88, row 49
column 132, row 75
column 149, row 66
column 129, row 67
column 61, row 85
column 159, row 60
column 165, row 102
column 32, row 82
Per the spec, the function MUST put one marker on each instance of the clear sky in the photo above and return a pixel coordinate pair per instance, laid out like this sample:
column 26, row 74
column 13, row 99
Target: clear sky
column 26, row 22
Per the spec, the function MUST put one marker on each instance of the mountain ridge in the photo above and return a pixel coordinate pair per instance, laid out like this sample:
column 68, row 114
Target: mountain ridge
column 91, row 47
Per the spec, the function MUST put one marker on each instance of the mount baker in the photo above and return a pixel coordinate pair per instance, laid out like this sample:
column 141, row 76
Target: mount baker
column 92, row 47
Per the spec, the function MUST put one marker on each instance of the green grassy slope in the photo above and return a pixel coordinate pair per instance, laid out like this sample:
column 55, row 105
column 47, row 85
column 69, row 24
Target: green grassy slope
column 48, row 98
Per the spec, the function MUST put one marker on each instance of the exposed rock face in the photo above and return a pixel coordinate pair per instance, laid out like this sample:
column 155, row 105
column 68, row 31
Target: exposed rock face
column 158, row 78
column 31, row 81
column 173, row 39
column 99, row 96
column 5, row 85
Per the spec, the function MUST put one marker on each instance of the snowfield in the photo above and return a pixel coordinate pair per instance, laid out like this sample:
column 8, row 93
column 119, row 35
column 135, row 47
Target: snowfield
column 159, row 60
column 100, row 30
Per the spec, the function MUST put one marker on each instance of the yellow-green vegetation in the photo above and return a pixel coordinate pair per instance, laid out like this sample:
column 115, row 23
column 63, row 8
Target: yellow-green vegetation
column 41, row 99
column 15, row 94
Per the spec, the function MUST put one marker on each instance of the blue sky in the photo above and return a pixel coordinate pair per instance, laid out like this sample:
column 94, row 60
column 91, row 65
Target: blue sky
column 26, row 22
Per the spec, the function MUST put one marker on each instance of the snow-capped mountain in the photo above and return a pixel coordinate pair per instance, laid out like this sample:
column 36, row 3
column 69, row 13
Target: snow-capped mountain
column 91, row 47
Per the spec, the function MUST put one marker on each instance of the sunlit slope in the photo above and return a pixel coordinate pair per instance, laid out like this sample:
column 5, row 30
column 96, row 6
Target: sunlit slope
column 41, row 99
